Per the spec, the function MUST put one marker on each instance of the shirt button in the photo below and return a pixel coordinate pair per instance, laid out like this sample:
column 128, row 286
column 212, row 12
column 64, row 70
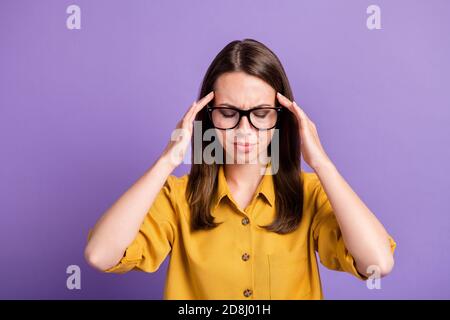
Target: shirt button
column 245, row 221
column 247, row 292
column 245, row 256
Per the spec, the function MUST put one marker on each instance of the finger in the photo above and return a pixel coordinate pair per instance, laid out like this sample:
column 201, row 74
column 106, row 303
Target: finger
column 199, row 105
column 186, row 121
column 284, row 101
column 304, row 116
column 203, row 102
column 190, row 110
column 186, row 116
column 291, row 105
column 305, row 122
column 300, row 112
column 190, row 115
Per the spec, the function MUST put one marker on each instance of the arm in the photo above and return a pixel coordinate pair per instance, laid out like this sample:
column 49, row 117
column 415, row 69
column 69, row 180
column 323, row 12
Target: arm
column 119, row 225
column 364, row 236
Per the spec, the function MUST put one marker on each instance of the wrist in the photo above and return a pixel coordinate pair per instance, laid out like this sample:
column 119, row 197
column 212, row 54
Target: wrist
column 165, row 164
column 323, row 165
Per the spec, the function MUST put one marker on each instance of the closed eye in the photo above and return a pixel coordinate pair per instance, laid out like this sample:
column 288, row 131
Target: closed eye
column 228, row 113
column 261, row 114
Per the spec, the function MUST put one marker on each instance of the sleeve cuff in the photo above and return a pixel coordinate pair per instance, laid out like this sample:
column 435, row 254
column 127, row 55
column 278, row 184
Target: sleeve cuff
column 89, row 234
column 393, row 244
column 348, row 263
column 130, row 259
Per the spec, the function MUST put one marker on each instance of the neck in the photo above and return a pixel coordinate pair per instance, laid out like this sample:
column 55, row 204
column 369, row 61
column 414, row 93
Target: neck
column 248, row 175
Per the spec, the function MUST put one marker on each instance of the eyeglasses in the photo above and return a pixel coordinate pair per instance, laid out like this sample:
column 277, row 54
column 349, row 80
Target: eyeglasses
column 228, row 117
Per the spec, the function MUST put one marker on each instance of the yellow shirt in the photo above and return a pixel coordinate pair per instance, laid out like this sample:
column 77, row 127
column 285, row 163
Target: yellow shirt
column 238, row 259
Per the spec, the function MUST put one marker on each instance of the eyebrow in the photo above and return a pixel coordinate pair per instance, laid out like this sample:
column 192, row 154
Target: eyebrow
column 232, row 106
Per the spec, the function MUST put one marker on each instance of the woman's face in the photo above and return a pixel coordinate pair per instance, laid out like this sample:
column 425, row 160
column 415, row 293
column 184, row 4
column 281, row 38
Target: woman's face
column 244, row 92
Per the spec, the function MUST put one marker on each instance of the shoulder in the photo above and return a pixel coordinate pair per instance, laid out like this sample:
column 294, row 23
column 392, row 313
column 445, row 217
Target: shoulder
column 176, row 181
column 170, row 199
column 177, row 185
column 310, row 181
column 313, row 192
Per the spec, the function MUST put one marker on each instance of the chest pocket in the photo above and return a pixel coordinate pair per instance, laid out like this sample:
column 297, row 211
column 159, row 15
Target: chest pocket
column 289, row 277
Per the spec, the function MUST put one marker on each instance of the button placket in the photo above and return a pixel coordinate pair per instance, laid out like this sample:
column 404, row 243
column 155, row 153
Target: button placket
column 248, row 292
column 247, row 247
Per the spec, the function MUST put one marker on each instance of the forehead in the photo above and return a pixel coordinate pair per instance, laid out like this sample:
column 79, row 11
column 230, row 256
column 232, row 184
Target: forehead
column 242, row 90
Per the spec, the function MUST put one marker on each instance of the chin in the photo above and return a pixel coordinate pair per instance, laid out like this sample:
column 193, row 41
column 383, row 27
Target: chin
column 242, row 157
column 245, row 158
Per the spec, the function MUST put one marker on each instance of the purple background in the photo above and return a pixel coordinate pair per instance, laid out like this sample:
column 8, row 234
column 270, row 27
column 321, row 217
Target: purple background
column 83, row 113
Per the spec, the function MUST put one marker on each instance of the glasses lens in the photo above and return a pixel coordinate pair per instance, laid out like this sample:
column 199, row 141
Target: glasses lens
column 225, row 118
column 264, row 118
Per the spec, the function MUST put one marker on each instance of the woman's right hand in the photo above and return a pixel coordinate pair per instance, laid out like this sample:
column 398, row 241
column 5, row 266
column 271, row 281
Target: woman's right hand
column 118, row 226
column 176, row 148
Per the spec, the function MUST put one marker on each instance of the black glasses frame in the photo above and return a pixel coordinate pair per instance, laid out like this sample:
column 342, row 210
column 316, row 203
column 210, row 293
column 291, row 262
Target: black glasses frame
column 243, row 113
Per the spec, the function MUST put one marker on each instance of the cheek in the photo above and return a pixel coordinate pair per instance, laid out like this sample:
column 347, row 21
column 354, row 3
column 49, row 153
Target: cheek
column 223, row 136
column 264, row 138
column 226, row 138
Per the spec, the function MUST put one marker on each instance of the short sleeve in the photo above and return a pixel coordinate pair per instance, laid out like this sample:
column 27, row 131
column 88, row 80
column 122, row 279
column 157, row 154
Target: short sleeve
column 156, row 235
column 328, row 240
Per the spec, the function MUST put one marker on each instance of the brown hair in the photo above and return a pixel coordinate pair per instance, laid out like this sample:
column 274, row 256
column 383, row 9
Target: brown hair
column 253, row 58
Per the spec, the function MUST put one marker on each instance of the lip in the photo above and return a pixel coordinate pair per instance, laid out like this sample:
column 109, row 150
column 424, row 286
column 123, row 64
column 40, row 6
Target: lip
column 244, row 147
column 244, row 144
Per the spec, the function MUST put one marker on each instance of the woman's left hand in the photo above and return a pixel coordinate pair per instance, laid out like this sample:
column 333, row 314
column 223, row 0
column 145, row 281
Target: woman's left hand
column 311, row 148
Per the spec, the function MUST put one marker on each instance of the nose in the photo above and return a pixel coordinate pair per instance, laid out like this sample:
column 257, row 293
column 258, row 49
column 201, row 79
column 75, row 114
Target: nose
column 244, row 124
column 244, row 130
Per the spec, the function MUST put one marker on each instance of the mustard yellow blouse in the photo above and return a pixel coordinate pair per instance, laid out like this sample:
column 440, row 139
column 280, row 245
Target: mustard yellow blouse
column 238, row 259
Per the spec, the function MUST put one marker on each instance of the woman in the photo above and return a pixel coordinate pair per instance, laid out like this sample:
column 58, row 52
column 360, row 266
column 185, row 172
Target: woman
column 245, row 223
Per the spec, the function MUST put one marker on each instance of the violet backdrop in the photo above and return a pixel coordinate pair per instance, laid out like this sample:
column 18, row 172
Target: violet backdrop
column 83, row 113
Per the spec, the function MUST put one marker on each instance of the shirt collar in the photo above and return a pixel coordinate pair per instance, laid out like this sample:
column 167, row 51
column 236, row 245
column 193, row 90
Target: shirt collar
column 265, row 187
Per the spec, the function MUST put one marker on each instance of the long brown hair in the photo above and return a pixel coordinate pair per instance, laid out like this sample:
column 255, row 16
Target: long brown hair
column 253, row 58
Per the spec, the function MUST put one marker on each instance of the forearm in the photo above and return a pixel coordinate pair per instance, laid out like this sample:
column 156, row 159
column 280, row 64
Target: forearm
column 364, row 236
column 119, row 225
